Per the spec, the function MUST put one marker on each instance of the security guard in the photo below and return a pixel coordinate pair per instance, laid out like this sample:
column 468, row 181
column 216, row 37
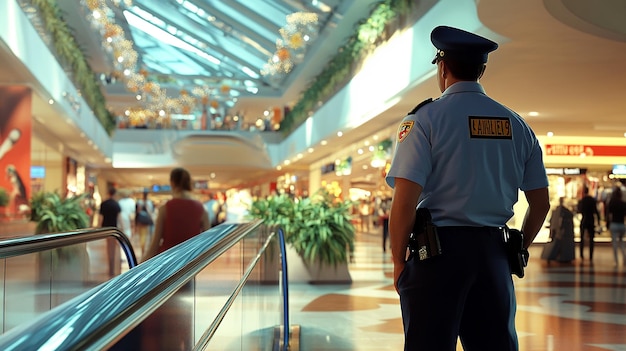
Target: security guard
column 463, row 156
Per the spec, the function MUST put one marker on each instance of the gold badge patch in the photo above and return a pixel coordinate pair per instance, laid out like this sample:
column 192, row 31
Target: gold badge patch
column 490, row 127
column 405, row 129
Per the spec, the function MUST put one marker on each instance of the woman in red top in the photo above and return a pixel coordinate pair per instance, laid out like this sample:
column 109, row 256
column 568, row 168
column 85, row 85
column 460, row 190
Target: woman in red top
column 171, row 326
column 180, row 218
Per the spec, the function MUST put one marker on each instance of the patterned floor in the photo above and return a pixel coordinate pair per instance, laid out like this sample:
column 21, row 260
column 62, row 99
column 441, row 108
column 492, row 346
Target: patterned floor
column 578, row 306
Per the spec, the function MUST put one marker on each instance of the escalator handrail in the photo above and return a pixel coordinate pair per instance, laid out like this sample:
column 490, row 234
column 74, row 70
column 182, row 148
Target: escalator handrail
column 98, row 318
column 17, row 246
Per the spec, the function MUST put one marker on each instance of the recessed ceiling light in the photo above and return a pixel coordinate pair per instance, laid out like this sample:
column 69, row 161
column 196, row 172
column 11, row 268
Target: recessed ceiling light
column 51, row 101
column 323, row 142
column 533, row 113
column 339, row 133
column 550, row 134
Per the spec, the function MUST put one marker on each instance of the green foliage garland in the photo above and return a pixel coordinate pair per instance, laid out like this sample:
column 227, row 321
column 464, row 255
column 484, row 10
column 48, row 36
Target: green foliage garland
column 338, row 70
column 69, row 53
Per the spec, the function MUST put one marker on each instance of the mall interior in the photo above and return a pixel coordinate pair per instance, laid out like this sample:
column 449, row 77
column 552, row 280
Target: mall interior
column 278, row 98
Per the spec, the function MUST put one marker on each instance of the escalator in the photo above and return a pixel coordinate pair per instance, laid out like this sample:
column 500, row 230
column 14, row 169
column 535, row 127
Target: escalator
column 224, row 289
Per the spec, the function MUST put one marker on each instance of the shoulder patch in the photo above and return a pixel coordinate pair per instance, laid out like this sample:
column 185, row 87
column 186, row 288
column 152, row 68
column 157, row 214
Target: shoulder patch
column 420, row 105
column 405, row 129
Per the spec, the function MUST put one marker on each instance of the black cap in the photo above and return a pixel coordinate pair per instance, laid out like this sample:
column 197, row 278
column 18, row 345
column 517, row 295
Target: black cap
column 461, row 45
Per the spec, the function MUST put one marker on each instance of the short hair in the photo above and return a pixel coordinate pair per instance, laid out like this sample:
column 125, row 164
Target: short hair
column 112, row 191
column 181, row 178
column 465, row 70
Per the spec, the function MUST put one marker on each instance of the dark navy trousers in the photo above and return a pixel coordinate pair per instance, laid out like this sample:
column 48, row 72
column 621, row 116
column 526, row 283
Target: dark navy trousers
column 465, row 292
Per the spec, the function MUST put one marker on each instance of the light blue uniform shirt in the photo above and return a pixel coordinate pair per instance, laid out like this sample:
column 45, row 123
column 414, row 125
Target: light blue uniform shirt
column 470, row 154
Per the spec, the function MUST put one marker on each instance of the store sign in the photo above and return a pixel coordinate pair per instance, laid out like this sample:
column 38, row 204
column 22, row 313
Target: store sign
column 328, row 168
column 156, row 188
column 584, row 150
column 619, row 169
column 566, row 171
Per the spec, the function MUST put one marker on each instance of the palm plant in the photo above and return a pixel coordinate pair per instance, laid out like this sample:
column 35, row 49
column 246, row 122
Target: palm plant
column 4, row 197
column 56, row 214
column 318, row 228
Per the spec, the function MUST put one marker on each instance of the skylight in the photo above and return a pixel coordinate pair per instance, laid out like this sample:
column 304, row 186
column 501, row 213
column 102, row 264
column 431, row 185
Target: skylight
column 163, row 36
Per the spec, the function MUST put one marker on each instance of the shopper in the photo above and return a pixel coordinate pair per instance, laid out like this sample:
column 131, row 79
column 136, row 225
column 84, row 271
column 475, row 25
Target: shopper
column 588, row 207
column 180, row 218
column 615, row 223
column 110, row 216
column 128, row 206
column 144, row 221
column 561, row 246
column 463, row 156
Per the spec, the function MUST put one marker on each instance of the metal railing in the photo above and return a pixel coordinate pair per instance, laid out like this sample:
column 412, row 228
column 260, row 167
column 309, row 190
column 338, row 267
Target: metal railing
column 18, row 246
column 100, row 317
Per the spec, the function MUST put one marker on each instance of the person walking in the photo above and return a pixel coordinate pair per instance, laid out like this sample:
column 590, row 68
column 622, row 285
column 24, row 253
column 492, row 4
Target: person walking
column 144, row 221
column 588, row 207
column 129, row 208
column 463, row 158
column 180, row 218
column 561, row 245
column 110, row 216
column 615, row 223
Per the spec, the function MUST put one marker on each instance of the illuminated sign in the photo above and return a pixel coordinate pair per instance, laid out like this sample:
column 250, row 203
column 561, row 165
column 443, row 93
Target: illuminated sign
column 566, row 171
column 619, row 169
column 584, row 150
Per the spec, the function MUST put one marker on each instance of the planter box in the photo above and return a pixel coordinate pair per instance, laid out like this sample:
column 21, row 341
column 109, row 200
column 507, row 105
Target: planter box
column 300, row 271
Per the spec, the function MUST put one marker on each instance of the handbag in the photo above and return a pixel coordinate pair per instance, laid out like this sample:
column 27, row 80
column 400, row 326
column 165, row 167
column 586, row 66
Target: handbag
column 143, row 217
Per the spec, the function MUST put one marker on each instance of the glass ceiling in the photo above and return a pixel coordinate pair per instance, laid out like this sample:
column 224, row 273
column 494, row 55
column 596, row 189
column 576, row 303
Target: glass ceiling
column 209, row 41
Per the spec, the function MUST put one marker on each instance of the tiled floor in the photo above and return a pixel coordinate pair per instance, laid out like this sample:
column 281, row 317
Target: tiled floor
column 571, row 307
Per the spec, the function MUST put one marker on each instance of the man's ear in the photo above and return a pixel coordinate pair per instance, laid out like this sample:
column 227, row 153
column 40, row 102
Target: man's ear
column 443, row 70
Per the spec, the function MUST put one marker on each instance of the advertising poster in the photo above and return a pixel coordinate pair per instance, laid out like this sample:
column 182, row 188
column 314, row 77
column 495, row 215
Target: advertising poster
column 15, row 140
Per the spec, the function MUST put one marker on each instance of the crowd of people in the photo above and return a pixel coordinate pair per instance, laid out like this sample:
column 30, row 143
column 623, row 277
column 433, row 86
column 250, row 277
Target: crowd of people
column 151, row 226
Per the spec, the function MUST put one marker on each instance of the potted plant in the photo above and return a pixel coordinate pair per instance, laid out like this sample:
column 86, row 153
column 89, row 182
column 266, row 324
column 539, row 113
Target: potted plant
column 319, row 231
column 4, row 200
column 54, row 214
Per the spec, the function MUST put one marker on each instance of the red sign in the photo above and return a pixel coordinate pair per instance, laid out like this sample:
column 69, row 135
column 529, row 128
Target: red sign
column 584, row 150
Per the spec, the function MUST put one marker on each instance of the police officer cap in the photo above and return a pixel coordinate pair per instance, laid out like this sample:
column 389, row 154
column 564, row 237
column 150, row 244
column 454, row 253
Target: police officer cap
column 461, row 45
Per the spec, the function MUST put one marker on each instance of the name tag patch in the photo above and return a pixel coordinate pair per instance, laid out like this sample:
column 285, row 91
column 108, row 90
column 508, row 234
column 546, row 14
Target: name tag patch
column 490, row 127
column 405, row 129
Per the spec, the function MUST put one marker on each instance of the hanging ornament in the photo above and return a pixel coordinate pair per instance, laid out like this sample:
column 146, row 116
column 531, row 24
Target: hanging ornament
column 296, row 41
column 93, row 4
column 283, row 54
